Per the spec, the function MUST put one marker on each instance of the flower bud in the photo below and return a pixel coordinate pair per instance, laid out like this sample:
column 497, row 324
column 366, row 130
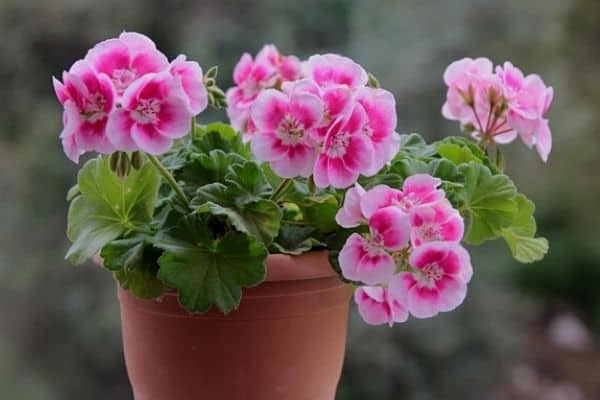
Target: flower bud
column 137, row 160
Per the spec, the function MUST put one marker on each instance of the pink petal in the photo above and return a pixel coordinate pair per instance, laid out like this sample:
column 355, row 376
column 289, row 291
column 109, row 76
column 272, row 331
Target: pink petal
column 423, row 302
column 174, row 117
column 350, row 215
column 147, row 62
column 148, row 139
column 544, row 140
column 339, row 175
column 108, row 56
column 118, row 130
column 429, row 253
column 269, row 109
column 242, row 69
column 71, row 149
column 392, row 226
column 299, row 161
column 60, row 91
column 191, row 79
column 378, row 197
column 359, row 154
column 331, row 69
column 266, row 146
column 452, row 293
column 321, row 171
column 372, row 306
column 137, row 42
column 306, row 108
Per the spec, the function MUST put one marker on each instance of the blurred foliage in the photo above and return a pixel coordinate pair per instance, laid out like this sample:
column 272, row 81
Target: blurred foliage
column 60, row 334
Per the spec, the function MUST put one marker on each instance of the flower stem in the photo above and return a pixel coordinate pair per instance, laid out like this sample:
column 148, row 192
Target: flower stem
column 281, row 189
column 169, row 178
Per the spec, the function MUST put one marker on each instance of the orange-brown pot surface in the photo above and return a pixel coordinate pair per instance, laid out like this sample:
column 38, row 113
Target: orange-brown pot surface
column 285, row 342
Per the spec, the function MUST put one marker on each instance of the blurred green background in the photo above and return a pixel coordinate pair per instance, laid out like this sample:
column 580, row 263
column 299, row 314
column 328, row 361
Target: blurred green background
column 524, row 332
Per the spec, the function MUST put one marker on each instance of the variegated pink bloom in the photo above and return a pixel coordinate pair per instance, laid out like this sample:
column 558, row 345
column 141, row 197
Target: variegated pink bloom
column 365, row 260
column 464, row 78
column 419, row 190
column 88, row 98
column 347, row 152
column 350, row 215
column 528, row 100
column 251, row 76
column 378, row 197
column 439, row 281
column 380, row 106
column 368, row 260
column 155, row 111
column 191, row 77
column 288, row 68
column 376, row 307
column 283, row 138
column 126, row 59
column 333, row 69
column 338, row 101
column 390, row 228
column 438, row 222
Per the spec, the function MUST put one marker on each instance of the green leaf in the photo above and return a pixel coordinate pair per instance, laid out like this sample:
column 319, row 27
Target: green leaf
column 108, row 206
column 209, row 271
column 123, row 253
column 295, row 239
column 488, row 202
column 135, row 264
column 319, row 212
column 457, row 154
column 243, row 199
column 519, row 236
column 219, row 136
column 258, row 218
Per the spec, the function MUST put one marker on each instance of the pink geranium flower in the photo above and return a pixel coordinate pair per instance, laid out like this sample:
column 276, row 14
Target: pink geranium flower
column 376, row 307
column 191, row 77
column 438, row 222
column 380, row 107
column 419, row 190
column 126, row 59
column 439, row 281
column 155, row 110
column 368, row 260
column 284, row 124
column 350, row 215
column 251, row 76
column 333, row 69
column 378, row 197
column 528, row 100
column 347, row 152
column 365, row 260
column 288, row 68
column 338, row 101
column 88, row 98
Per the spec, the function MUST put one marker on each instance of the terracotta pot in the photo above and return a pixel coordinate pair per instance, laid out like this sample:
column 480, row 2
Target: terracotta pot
column 285, row 342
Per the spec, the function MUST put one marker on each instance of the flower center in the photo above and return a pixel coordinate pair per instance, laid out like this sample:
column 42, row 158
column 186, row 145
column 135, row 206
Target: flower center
column 146, row 111
column 338, row 145
column 290, row 130
column 122, row 78
column 407, row 201
column 93, row 110
column 429, row 275
column 373, row 246
column 430, row 232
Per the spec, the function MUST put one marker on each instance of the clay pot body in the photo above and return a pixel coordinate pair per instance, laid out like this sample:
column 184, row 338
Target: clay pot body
column 285, row 342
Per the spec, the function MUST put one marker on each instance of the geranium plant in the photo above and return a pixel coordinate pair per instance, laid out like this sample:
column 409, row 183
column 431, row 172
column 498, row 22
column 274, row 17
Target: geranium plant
column 311, row 160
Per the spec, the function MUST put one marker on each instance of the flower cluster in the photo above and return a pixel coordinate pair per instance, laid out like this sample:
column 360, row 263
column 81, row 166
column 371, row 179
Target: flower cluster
column 316, row 118
column 411, row 261
column 126, row 96
column 496, row 106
